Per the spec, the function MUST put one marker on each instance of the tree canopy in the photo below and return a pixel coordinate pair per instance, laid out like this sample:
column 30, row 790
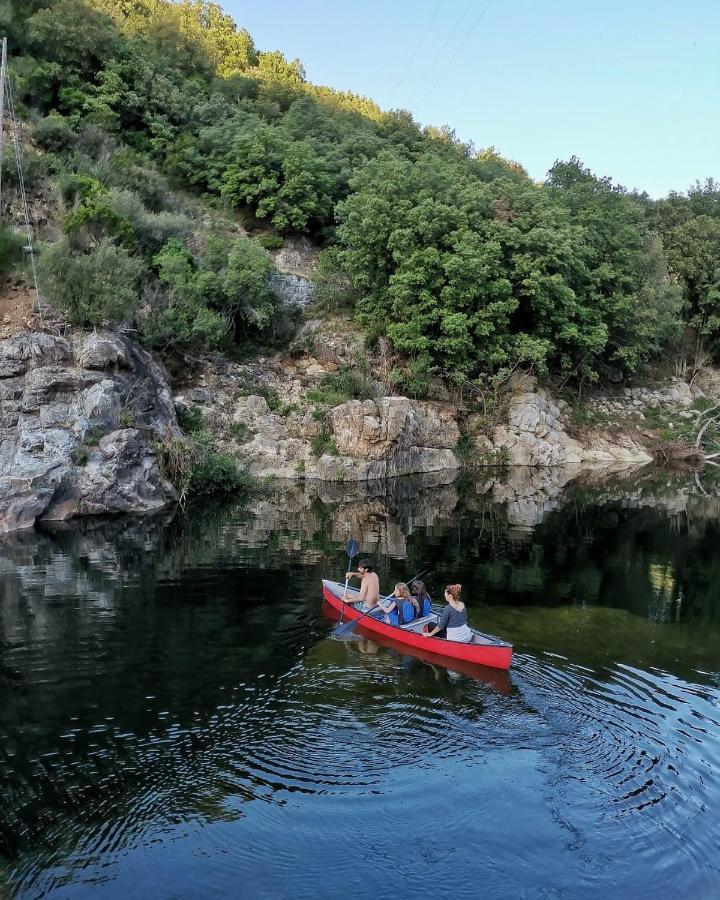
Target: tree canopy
column 451, row 253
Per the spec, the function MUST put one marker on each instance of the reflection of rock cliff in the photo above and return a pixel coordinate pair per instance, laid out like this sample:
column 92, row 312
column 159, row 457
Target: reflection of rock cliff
column 528, row 494
column 91, row 559
column 78, row 427
column 94, row 557
column 380, row 514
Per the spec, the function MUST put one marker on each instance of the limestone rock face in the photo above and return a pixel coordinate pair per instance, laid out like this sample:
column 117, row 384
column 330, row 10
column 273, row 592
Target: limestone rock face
column 372, row 439
column 78, row 425
column 292, row 289
column 535, row 435
column 391, row 436
column 297, row 257
column 376, row 429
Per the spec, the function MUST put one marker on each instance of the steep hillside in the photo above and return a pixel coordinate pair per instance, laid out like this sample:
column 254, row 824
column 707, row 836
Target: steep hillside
column 145, row 116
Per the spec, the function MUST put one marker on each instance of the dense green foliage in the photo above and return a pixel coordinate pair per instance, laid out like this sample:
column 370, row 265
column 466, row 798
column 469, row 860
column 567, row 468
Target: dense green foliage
column 196, row 468
column 467, row 274
column 228, row 294
column 689, row 225
column 92, row 288
column 455, row 256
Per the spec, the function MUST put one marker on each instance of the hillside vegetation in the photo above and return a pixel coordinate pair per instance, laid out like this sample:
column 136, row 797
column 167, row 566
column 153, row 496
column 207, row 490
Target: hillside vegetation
column 164, row 133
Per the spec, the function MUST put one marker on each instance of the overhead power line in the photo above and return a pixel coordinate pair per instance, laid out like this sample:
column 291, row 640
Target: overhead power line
column 420, row 43
column 447, row 43
column 455, row 54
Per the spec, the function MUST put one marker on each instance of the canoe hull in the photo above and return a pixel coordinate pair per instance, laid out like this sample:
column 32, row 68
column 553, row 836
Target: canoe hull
column 496, row 656
column 498, row 679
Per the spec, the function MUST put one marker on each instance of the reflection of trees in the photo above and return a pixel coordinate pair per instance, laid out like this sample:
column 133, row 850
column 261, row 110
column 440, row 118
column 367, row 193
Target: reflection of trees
column 598, row 547
column 113, row 612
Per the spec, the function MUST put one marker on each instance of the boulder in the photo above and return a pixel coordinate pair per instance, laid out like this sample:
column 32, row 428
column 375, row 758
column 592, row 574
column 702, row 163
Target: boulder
column 388, row 437
column 27, row 350
column 101, row 350
column 381, row 429
column 63, row 451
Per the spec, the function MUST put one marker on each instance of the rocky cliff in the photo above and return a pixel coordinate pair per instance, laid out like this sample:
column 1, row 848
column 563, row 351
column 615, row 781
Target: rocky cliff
column 79, row 421
column 81, row 416
column 536, row 435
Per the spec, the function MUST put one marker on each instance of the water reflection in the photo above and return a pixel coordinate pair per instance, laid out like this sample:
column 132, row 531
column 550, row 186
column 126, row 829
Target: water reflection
column 177, row 716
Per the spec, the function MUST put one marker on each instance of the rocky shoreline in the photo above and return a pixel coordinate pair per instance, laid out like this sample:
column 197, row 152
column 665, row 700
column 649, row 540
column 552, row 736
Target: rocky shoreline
column 79, row 421
column 82, row 416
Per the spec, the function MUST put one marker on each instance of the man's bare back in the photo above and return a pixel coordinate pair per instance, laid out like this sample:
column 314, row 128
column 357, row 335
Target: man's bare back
column 369, row 585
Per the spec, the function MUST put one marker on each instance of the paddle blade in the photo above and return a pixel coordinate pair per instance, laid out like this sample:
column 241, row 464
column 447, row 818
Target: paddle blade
column 347, row 628
column 352, row 549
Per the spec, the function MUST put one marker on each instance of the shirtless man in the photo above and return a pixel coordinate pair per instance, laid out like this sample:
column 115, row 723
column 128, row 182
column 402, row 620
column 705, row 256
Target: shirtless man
column 369, row 585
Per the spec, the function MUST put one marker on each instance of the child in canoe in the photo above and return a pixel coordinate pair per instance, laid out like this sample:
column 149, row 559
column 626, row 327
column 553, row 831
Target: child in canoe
column 452, row 623
column 402, row 607
column 420, row 594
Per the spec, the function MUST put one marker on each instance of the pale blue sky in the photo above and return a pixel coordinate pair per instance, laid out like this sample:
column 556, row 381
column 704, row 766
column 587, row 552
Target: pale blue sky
column 632, row 88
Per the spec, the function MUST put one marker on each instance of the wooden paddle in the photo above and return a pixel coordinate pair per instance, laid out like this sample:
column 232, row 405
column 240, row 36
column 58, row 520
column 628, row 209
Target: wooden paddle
column 352, row 548
column 350, row 626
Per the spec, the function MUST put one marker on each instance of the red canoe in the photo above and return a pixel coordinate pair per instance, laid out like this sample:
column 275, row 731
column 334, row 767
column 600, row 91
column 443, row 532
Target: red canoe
column 498, row 679
column 483, row 650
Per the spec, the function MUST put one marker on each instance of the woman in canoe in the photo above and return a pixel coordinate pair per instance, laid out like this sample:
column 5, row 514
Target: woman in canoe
column 422, row 602
column 402, row 607
column 452, row 623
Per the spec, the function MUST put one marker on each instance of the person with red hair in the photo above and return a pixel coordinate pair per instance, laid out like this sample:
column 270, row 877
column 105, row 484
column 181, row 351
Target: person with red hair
column 452, row 623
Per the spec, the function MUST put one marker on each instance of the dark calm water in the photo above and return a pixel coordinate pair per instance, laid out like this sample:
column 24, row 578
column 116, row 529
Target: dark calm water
column 178, row 720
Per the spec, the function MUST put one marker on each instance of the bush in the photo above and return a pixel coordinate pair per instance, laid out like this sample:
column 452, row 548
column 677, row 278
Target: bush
column 190, row 419
column 241, row 433
column 186, row 313
column 95, row 142
column 94, row 220
column 74, row 186
column 214, row 473
column 10, row 243
column 131, row 172
column 54, row 133
column 34, row 167
column 91, row 289
column 152, row 230
column 348, row 383
column 270, row 241
column 323, row 443
column 198, row 470
column 248, row 388
column 215, row 300
column 332, row 287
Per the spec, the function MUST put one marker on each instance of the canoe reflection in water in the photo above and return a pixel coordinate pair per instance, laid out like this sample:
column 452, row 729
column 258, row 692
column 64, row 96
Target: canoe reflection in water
column 369, row 643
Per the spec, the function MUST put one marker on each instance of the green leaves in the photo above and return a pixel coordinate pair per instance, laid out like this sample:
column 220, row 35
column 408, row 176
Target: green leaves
column 94, row 289
column 208, row 302
column 471, row 275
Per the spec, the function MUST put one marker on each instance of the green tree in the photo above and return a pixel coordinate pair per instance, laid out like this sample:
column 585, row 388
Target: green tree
column 71, row 43
column 187, row 313
column 694, row 254
column 91, row 289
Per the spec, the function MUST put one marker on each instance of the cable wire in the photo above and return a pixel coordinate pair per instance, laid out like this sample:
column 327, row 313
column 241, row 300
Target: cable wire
column 21, row 181
column 448, row 40
column 420, row 43
column 455, row 54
